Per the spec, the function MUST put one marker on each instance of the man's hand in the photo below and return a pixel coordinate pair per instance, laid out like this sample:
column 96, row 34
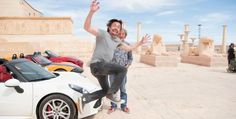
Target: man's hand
column 87, row 24
column 128, row 48
column 94, row 6
column 145, row 39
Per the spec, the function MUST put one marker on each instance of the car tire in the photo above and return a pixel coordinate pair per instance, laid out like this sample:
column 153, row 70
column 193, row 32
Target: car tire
column 57, row 107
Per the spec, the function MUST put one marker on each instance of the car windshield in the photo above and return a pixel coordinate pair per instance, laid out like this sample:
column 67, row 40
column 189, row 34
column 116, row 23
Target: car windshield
column 33, row 72
column 51, row 54
column 41, row 60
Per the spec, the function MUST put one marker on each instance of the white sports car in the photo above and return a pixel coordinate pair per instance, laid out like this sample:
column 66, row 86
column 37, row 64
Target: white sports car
column 33, row 92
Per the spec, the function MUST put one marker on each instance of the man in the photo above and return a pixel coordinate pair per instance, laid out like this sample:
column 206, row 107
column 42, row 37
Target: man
column 122, row 58
column 231, row 55
column 101, row 66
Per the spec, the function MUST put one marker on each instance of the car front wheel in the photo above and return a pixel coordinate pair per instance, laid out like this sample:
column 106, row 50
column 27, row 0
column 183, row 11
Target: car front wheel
column 57, row 107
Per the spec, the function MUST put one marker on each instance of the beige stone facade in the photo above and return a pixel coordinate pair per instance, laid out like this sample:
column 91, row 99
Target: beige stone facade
column 62, row 44
column 35, row 25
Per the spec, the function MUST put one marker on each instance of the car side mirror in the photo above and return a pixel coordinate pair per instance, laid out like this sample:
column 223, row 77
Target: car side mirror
column 14, row 83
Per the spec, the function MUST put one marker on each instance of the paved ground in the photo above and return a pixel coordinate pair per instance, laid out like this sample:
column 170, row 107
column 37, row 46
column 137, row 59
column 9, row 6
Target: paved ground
column 185, row 92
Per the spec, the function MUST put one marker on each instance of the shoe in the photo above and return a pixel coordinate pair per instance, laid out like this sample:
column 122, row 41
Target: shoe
column 110, row 110
column 113, row 98
column 126, row 110
column 81, row 103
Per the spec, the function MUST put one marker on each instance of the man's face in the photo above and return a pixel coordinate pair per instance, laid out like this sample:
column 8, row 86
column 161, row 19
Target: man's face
column 122, row 35
column 114, row 29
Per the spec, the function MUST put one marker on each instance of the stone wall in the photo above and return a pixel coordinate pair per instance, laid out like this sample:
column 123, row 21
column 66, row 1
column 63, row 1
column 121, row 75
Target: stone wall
column 35, row 25
column 67, row 45
column 9, row 48
column 30, row 34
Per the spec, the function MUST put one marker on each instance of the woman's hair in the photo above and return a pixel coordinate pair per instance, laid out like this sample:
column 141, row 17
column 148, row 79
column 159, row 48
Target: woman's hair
column 110, row 22
column 126, row 33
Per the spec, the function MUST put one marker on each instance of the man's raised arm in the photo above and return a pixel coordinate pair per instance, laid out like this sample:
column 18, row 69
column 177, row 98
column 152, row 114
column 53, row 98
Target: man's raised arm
column 128, row 48
column 87, row 24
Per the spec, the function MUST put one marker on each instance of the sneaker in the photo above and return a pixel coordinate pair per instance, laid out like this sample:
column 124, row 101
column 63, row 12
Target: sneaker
column 126, row 110
column 113, row 98
column 110, row 110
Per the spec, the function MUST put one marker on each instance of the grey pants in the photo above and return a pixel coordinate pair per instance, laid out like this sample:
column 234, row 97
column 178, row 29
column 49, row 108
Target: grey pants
column 101, row 70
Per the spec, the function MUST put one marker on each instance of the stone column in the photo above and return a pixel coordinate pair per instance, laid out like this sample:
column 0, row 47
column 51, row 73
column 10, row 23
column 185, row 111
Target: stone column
column 182, row 42
column 193, row 39
column 223, row 46
column 185, row 41
column 139, row 25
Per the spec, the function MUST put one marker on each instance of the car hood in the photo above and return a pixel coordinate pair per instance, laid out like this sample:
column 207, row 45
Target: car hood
column 66, row 78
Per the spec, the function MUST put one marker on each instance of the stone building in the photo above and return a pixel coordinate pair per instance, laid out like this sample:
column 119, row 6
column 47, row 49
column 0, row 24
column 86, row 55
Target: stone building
column 23, row 29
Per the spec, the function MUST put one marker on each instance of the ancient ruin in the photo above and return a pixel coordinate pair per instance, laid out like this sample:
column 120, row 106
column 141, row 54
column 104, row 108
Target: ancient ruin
column 202, row 54
column 157, row 55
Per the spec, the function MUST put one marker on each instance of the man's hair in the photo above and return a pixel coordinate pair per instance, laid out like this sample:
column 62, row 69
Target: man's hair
column 232, row 44
column 112, row 21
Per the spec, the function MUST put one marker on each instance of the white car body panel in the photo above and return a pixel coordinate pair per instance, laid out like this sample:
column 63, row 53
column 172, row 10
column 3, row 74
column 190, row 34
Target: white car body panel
column 14, row 105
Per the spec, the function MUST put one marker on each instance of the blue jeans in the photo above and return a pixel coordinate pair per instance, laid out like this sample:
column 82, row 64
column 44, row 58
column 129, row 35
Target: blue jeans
column 123, row 94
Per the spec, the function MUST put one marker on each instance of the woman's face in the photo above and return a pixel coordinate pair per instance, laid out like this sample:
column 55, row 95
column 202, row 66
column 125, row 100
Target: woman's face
column 122, row 34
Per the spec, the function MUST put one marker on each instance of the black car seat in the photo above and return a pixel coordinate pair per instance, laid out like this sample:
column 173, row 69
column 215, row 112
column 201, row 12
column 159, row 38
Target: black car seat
column 2, row 60
column 37, row 53
column 22, row 55
column 14, row 56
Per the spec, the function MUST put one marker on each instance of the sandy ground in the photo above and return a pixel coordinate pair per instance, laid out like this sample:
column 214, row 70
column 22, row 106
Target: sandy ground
column 184, row 92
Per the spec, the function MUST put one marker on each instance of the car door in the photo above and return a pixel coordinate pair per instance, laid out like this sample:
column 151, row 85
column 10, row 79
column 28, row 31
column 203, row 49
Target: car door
column 13, row 103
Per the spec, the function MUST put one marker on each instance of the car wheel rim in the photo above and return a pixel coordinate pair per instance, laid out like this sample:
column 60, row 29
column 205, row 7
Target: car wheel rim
column 56, row 109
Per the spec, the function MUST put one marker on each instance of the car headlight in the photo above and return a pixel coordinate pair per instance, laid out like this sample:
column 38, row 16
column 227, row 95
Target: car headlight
column 78, row 89
column 77, row 70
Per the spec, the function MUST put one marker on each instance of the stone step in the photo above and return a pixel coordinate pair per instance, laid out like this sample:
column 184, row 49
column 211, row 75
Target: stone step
column 159, row 61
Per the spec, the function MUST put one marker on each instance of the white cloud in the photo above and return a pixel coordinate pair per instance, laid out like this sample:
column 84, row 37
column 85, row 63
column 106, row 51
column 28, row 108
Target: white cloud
column 165, row 13
column 47, row 6
column 179, row 23
column 215, row 17
column 136, row 5
column 143, row 5
column 148, row 22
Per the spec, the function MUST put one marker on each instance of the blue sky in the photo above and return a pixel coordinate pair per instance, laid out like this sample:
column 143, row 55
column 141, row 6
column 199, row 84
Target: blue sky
column 164, row 17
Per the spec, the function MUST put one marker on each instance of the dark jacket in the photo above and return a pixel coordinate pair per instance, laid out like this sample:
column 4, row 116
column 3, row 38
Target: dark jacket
column 231, row 54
